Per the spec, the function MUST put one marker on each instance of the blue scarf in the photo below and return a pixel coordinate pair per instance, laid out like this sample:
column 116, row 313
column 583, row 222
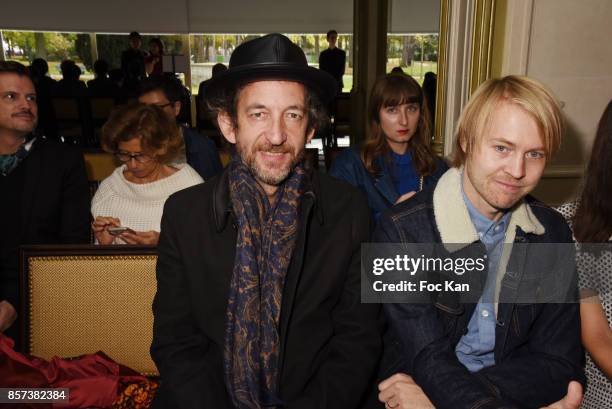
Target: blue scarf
column 266, row 239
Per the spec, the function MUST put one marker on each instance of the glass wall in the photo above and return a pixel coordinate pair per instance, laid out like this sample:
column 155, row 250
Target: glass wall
column 24, row 46
column 210, row 49
column 415, row 54
column 206, row 50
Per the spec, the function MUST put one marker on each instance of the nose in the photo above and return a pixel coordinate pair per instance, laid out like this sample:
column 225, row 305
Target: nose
column 516, row 166
column 277, row 134
column 132, row 163
column 403, row 116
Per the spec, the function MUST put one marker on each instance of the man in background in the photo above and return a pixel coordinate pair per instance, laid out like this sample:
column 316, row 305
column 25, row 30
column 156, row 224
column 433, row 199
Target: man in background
column 168, row 93
column 45, row 194
column 333, row 60
column 132, row 60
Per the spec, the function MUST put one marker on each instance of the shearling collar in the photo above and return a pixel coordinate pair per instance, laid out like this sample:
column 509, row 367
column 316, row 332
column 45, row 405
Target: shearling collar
column 453, row 220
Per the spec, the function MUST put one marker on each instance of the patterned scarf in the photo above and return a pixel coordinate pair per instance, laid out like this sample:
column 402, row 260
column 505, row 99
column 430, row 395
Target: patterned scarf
column 266, row 239
column 8, row 163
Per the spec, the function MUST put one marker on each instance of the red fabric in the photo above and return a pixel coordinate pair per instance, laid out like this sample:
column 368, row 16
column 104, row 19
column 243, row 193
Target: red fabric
column 93, row 379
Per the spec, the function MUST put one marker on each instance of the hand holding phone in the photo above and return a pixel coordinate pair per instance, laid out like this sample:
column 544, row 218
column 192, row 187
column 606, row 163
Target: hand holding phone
column 117, row 230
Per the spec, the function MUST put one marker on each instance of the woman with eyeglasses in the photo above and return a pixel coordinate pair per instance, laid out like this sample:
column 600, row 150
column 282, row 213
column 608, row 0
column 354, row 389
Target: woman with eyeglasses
column 128, row 205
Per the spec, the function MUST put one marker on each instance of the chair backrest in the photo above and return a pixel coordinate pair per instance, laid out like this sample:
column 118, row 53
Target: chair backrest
column 101, row 107
column 331, row 153
column 311, row 158
column 83, row 299
column 66, row 109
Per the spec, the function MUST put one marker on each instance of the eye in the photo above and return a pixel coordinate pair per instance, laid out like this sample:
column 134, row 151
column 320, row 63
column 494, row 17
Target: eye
column 500, row 148
column 31, row 98
column 391, row 110
column 9, row 95
column 294, row 115
column 535, row 155
column 413, row 108
column 257, row 115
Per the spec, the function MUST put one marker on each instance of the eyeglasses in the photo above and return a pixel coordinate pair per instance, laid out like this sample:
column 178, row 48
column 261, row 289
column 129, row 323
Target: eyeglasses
column 139, row 157
column 162, row 106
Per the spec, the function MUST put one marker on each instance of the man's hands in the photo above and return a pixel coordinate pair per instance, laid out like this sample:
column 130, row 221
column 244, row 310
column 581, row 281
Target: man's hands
column 401, row 392
column 100, row 228
column 572, row 400
column 8, row 315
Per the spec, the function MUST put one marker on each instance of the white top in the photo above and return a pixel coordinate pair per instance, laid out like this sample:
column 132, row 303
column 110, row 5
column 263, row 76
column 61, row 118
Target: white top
column 139, row 206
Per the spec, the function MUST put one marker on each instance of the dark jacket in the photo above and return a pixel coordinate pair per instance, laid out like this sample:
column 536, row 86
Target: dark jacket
column 329, row 342
column 333, row 61
column 537, row 346
column 202, row 154
column 380, row 190
column 54, row 202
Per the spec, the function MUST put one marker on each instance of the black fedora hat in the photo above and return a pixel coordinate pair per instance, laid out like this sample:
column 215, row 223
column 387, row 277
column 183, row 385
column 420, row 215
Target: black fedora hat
column 271, row 57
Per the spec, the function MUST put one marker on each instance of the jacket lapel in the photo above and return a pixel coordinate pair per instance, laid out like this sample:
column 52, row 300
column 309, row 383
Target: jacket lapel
column 383, row 182
column 32, row 172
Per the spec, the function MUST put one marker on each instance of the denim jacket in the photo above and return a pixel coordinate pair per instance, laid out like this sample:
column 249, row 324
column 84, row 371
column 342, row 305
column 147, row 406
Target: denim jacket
column 537, row 346
column 380, row 190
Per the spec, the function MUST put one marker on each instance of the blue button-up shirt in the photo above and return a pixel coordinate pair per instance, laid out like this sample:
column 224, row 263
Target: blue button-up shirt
column 475, row 349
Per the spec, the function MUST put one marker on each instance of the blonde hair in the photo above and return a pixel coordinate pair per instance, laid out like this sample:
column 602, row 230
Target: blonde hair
column 525, row 92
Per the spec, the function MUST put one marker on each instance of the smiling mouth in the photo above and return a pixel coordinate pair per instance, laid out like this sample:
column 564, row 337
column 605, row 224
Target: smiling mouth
column 509, row 186
column 24, row 116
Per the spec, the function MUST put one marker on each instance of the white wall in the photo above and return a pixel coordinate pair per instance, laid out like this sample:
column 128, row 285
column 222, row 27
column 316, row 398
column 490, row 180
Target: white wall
column 414, row 16
column 208, row 16
column 566, row 45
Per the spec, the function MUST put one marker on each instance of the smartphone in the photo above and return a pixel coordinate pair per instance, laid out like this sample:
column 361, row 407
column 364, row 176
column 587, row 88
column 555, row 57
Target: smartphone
column 115, row 231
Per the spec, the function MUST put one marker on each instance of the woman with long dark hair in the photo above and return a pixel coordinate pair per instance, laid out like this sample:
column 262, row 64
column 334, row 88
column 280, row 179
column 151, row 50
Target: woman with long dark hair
column 396, row 159
column 591, row 220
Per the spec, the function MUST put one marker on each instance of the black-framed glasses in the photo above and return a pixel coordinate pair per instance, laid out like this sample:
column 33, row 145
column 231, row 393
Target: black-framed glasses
column 162, row 106
column 139, row 157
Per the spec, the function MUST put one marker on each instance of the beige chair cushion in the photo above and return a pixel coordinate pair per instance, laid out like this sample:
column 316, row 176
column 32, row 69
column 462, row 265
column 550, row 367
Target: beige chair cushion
column 85, row 304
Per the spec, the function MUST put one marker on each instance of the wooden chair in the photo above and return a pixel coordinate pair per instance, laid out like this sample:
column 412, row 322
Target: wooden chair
column 311, row 158
column 341, row 116
column 73, row 119
column 77, row 300
column 330, row 153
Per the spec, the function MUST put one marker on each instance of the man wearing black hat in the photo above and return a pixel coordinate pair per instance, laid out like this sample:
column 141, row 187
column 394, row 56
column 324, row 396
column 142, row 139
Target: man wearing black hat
column 258, row 300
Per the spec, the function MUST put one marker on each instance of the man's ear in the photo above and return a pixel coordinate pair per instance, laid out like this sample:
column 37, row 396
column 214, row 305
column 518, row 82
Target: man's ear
column 177, row 108
column 463, row 145
column 310, row 135
column 226, row 126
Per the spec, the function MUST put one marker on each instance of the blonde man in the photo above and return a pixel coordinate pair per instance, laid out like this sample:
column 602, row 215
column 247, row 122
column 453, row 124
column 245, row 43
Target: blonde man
column 487, row 353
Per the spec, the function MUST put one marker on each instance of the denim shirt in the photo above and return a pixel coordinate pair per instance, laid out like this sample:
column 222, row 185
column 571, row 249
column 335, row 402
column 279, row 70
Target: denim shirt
column 475, row 348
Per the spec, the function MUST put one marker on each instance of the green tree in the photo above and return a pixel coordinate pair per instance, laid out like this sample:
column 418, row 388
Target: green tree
column 60, row 46
column 22, row 39
column 82, row 47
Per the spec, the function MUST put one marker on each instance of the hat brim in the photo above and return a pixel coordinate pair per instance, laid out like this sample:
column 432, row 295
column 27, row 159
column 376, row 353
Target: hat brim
column 319, row 81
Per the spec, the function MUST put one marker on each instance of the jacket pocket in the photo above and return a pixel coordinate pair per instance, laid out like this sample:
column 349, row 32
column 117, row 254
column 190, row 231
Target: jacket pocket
column 449, row 314
column 523, row 316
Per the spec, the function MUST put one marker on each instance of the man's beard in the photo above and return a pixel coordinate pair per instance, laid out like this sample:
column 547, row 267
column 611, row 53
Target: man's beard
column 274, row 176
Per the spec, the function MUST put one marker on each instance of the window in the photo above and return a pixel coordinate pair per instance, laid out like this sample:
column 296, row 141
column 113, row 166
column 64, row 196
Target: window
column 24, row 46
column 416, row 54
column 210, row 49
